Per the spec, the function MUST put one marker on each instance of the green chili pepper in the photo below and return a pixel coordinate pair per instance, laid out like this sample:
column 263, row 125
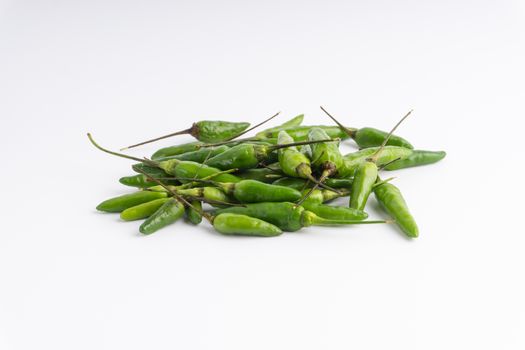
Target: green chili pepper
column 176, row 150
column 235, row 224
column 167, row 214
column 371, row 137
column 260, row 174
column 206, row 131
column 288, row 216
column 393, row 202
column 300, row 133
column 364, row 180
column 366, row 174
column 120, row 203
column 193, row 212
column 336, row 212
column 142, row 181
column 294, row 122
column 249, row 155
column 389, row 154
column 251, row 191
column 200, row 155
column 417, row 158
column 143, row 210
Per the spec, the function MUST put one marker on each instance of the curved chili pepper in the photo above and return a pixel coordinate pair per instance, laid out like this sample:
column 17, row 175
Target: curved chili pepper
column 371, row 137
column 266, row 175
column 167, row 214
column 294, row 122
column 393, row 202
column 417, row 158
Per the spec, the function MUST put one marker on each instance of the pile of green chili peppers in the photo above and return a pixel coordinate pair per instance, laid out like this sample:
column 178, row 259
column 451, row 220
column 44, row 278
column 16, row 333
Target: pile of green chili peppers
column 281, row 179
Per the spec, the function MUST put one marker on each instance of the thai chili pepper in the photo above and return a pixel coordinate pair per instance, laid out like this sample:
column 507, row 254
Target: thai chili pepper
column 417, row 158
column 177, row 168
column 193, row 213
column 210, row 131
column 231, row 224
column 205, row 131
column 175, row 150
column 288, row 216
column 142, row 181
column 249, row 155
column 389, row 154
column 315, row 201
column 366, row 175
column 295, row 121
column 393, row 202
column 237, row 224
column 143, row 210
column 300, row 133
column 260, row 174
column 120, row 203
column 371, row 137
column 167, row 214
column 251, row 191
column 199, row 155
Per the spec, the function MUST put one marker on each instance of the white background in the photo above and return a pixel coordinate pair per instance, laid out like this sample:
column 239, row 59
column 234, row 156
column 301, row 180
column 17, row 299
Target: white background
column 72, row 278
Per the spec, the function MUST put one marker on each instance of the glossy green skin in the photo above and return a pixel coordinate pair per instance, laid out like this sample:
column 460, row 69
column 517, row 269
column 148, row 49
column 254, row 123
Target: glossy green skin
column 251, row 191
column 295, row 121
column 258, row 174
column 199, row 155
column 335, row 212
column 143, row 210
column 326, row 155
column 293, row 163
column 300, row 133
column 194, row 215
column 351, row 161
column 364, row 180
column 120, row 203
column 243, row 156
column 285, row 215
column 193, row 170
column 417, row 158
column 393, row 202
column 167, row 214
column 370, row 137
column 175, row 150
column 211, row 131
column 237, row 224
